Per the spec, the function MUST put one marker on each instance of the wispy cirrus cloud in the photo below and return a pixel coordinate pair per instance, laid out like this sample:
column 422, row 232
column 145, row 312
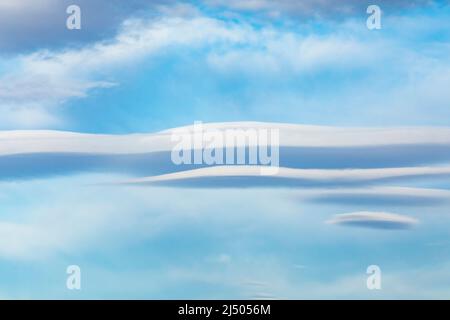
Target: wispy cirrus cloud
column 35, row 84
column 47, row 78
column 314, row 9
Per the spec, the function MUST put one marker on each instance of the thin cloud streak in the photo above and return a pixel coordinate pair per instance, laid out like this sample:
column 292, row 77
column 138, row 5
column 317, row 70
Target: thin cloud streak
column 374, row 220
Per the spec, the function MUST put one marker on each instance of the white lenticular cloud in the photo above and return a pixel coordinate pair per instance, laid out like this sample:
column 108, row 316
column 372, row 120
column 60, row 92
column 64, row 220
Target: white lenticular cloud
column 235, row 176
column 291, row 135
column 376, row 220
column 309, row 156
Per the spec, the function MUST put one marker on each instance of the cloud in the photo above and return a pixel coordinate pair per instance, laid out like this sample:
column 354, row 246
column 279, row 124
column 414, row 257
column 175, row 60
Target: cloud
column 83, row 217
column 73, row 216
column 48, row 78
column 313, row 8
column 235, row 176
column 291, row 136
column 76, row 222
column 379, row 196
column 309, row 155
column 69, row 221
column 375, row 220
column 40, row 81
column 288, row 53
column 43, row 23
column 20, row 240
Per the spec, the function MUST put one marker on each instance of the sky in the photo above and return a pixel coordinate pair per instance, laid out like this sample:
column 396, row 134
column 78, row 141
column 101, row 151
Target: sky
column 86, row 176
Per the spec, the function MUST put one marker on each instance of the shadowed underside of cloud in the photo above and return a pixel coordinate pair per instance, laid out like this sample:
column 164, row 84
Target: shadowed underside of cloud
column 375, row 220
column 42, row 164
column 42, row 23
column 379, row 196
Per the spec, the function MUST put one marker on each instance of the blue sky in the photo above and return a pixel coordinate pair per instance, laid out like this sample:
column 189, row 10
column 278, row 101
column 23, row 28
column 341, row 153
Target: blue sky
column 139, row 67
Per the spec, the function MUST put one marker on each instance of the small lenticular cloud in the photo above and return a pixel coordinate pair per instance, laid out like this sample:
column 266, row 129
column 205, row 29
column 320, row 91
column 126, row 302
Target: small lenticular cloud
column 375, row 220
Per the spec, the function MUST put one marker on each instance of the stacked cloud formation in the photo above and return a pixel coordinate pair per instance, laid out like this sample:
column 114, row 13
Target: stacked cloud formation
column 370, row 165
